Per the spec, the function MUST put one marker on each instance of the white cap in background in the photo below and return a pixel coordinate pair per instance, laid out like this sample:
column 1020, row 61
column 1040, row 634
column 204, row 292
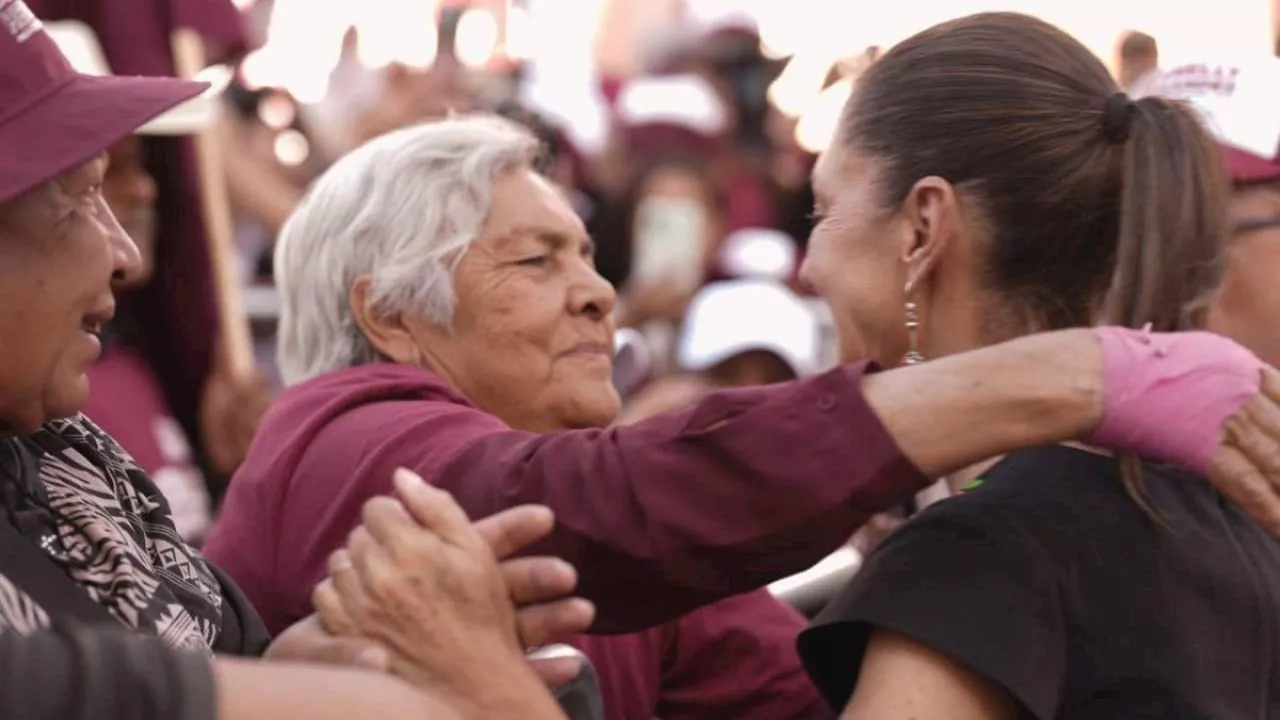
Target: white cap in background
column 758, row 253
column 1238, row 102
column 686, row 101
column 79, row 43
column 729, row 318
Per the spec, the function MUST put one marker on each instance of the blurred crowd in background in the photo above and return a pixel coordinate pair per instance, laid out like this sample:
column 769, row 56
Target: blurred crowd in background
column 684, row 134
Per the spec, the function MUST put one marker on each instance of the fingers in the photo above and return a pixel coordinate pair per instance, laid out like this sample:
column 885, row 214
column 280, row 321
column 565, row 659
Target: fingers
column 510, row 531
column 553, row 622
column 388, row 521
column 1271, row 383
column 1255, row 432
column 556, row 671
column 375, row 573
column 351, row 652
column 344, row 581
column 307, row 641
column 435, row 509
column 538, row 579
column 1238, row 479
column 333, row 614
column 1264, row 412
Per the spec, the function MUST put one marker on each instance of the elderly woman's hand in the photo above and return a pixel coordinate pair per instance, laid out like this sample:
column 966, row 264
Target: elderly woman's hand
column 309, row 641
column 1246, row 467
column 423, row 580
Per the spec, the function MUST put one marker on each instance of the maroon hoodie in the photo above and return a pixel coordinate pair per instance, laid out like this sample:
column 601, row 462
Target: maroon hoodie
column 661, row 518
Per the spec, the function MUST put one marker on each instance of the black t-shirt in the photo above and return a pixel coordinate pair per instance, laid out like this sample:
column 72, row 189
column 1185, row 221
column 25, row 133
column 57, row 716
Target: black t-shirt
column 1050, row 581
column 88, row 663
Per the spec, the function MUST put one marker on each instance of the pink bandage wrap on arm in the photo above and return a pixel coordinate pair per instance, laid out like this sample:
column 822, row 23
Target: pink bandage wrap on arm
column 1166, row 396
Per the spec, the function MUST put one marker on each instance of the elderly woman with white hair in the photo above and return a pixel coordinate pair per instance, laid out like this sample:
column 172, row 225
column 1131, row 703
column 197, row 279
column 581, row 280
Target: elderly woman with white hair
column 105, row 611
column 442, row 312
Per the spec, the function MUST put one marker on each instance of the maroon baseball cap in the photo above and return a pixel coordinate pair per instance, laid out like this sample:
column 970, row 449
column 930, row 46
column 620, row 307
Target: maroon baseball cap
column 52, row 118
column 1246, row 168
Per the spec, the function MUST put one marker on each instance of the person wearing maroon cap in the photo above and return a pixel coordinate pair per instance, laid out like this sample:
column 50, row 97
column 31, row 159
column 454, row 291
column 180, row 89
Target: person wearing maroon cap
column 176, row 315
column 1247, row 307
column 1237, row 102
column 86, row 539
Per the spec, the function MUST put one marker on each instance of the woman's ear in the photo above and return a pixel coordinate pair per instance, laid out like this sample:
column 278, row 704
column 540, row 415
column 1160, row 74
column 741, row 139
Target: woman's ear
column 932, row 213
column 386, row 332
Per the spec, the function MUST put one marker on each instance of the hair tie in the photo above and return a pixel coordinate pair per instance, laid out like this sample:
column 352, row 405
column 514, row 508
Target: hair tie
column 1117, row 118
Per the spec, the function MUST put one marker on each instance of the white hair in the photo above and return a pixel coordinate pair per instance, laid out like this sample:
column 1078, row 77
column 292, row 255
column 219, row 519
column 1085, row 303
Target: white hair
column 402, row 209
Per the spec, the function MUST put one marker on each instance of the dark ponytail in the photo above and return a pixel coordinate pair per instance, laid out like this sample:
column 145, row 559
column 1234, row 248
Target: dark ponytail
column 1101, row 209
column 1173, row 220
column 1173, row 225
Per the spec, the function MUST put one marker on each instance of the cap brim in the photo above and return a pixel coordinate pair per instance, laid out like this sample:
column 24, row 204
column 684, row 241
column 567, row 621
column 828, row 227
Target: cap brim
column 78, row 121
column 188, row 118
column 1245, row 167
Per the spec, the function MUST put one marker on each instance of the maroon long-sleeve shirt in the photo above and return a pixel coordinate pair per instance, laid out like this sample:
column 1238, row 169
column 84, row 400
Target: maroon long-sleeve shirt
column 661, row 518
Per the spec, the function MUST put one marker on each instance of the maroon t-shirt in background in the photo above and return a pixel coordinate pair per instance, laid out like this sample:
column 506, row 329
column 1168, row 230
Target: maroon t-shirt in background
column 127, row 401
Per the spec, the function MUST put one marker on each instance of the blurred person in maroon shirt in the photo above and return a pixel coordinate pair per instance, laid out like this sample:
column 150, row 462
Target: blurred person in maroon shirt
column 128, row 398
column 176, row 313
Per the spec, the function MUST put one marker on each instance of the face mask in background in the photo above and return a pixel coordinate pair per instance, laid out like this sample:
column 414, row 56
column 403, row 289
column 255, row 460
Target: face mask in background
column 669, row 243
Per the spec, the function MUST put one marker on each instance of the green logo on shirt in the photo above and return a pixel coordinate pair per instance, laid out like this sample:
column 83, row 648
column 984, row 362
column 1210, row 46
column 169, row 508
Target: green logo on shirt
column 971, row 484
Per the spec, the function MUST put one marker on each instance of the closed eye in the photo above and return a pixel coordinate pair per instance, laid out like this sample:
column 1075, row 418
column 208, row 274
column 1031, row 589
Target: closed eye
column 535, row 261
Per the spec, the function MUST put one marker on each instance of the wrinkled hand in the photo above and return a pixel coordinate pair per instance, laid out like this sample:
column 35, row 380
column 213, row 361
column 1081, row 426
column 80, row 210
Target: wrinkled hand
column 308, row 641
column 1246, row 467
column 422, row 579
column 230, row 411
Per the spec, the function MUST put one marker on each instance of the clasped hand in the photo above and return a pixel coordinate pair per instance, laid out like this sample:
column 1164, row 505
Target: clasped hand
column 443, row 596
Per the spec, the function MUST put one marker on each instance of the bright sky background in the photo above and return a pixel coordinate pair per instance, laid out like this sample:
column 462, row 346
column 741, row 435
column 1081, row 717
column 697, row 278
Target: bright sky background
column 558, row 36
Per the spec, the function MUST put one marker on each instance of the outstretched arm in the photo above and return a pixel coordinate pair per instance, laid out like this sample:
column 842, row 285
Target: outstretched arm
column 902, row 678
column 951, row 412
column 248, row 690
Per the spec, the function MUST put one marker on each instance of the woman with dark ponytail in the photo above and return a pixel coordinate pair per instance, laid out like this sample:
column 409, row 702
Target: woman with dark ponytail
column 990, row 180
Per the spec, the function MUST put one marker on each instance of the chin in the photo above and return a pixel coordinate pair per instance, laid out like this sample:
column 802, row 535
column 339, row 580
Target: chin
column 66, row 399
column 597, row 410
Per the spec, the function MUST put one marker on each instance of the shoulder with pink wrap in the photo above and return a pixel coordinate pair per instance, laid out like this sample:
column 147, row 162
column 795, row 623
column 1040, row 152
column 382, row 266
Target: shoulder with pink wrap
column 1167, row 396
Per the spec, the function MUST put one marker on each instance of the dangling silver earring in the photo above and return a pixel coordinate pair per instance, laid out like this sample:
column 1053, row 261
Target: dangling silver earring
column 913, row 355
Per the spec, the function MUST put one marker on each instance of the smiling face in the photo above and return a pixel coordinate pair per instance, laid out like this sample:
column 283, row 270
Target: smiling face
column 868, row 259
column 532, row 335
column 852, row 261
column 60, row 248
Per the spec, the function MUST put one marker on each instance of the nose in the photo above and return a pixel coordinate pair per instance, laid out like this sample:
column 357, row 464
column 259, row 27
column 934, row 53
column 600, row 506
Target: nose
column 592, row 295
column 126, row 261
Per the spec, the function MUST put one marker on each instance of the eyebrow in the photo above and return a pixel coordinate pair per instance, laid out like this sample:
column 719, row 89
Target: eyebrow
column 81, row 180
